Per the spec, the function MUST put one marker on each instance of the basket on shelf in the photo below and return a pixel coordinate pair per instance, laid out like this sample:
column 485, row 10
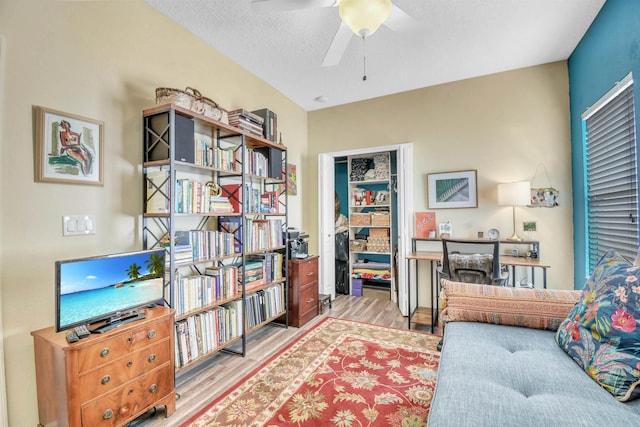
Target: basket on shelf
column 357, row 218
column 357, row 245
column 378, row 244
column 379, row 232
column 380, row 218
column 193, row 100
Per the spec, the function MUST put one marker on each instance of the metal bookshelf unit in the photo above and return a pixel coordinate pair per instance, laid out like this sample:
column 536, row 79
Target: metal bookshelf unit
column 215, row 198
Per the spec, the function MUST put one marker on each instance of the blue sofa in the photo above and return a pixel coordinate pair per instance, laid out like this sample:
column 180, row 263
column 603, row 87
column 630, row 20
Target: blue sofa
column 502, row 365
column 498, row 375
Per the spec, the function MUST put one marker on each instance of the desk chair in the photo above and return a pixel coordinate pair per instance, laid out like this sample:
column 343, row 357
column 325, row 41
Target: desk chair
column 472, row 261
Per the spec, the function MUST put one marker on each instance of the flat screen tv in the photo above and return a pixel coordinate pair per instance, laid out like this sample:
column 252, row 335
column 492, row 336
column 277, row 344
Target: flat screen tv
column 108, row 288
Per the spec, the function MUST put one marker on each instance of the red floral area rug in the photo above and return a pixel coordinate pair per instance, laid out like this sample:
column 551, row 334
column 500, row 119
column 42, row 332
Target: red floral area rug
column 340, row 373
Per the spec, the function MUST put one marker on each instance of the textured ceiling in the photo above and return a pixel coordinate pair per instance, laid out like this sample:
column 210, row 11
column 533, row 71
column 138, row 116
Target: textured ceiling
column 453, row 40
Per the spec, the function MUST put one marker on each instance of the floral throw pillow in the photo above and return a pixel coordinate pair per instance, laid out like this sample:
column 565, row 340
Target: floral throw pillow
column 602, row 332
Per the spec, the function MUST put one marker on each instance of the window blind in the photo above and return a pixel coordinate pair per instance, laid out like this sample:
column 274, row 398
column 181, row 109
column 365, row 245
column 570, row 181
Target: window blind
column 612, row 183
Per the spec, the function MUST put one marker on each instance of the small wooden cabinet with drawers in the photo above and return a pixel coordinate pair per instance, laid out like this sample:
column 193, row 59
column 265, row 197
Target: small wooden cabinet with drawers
column 106, row 379
column 303, row 290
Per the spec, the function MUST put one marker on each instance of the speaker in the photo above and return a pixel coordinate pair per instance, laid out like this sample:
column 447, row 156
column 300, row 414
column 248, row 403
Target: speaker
column 184, row 144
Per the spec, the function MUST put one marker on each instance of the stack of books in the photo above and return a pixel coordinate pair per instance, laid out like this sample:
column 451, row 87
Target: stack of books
column 246, row 120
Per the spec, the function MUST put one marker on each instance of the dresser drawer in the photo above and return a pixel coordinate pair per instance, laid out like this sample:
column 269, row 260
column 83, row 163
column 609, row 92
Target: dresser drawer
column 111, row 349
column 122, row 403
column 309, row 298
column 108, row 377
column 307, row 272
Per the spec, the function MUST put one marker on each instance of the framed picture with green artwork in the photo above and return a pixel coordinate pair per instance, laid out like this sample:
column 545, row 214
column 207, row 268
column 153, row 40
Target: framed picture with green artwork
column 449, row 190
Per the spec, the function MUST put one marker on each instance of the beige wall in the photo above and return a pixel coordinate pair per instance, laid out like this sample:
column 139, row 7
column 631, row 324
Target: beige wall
column 502, row 125
column 102, row 60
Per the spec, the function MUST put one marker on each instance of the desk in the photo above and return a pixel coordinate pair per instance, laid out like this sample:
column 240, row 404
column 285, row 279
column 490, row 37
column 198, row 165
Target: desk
column 435, row 257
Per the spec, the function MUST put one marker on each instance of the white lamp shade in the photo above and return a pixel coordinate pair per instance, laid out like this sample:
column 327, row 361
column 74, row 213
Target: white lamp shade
column 514, row 193
column 364, row 17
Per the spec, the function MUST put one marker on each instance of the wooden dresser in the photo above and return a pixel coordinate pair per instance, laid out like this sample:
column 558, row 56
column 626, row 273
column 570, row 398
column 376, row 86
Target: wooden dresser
column 303, row 290
column 106, row 379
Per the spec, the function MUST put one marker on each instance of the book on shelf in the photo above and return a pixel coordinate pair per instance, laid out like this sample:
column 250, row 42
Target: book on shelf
column 237, row 195
column 232, row 225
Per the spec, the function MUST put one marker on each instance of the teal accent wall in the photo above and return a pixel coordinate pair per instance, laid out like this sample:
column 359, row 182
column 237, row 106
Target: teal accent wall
column 608, row 51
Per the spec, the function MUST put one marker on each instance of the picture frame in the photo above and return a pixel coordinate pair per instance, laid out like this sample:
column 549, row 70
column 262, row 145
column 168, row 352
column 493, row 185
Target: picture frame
column 451, row 190
column 291, row 180
column 68, row 148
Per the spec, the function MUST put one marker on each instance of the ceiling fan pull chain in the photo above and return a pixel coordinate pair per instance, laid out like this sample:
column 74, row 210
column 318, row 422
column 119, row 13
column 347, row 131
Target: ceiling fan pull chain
column 364, row 59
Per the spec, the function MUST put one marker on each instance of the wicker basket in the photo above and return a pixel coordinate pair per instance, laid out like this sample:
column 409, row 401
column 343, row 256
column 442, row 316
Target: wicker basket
column 360, row 218
column 379, row 232
column 193, row 100
column 357, row 245
column 378, row 218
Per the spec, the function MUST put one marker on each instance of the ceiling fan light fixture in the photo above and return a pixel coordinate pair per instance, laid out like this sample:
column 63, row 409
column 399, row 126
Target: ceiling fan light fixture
column 364, row 17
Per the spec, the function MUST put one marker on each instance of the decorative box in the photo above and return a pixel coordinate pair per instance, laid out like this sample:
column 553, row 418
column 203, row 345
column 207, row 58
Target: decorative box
column 378, row 244
column 360, row 218
column 380, row 218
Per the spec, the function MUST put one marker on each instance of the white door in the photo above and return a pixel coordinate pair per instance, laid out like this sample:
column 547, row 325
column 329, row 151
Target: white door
column 405, row 220
column 326, row 224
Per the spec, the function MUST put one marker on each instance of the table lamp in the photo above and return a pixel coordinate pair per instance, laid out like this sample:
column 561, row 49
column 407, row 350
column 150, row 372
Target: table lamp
column 514, row 194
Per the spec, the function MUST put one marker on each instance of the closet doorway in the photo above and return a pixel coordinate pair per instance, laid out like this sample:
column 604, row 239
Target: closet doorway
column 402, row 212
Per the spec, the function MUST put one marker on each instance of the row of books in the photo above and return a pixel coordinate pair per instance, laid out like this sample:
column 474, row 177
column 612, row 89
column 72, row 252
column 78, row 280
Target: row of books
column 261, row 269
column 256, row 163
column 195, row 197
column 263, row 234
column 196, row 291
column 205, row 244
column 208, row 154
column 264, row 305
column 203, row 333
column 246, row 120
column 191, row 196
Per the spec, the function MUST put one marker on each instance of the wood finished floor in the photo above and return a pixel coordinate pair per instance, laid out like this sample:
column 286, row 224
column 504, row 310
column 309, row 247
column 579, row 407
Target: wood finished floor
column 202, row 384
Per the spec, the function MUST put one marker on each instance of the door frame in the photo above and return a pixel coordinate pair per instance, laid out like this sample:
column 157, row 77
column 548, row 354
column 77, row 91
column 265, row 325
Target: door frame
column 326, row 218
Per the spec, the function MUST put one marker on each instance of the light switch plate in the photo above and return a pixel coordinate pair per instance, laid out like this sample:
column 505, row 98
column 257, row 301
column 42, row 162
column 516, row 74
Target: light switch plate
column 78, row 225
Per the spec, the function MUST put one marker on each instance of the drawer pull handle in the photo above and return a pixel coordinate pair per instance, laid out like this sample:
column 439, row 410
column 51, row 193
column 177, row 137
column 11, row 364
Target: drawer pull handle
column 107, row 414
column 106, row 379
column 310, row 300
column 152, row 357
column 310, row 273
column 130, row 392
column 130, row 340
column 153, row 388
column 104, row 352
column 151, row 334
column 129, row 364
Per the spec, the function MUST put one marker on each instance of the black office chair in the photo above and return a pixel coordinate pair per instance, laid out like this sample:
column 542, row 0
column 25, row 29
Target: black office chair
column 473, row 261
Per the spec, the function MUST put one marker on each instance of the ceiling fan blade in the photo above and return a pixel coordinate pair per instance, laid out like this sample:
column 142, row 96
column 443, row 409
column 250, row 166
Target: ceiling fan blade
column 338, row 46
column 399, row 21
column 284, row 5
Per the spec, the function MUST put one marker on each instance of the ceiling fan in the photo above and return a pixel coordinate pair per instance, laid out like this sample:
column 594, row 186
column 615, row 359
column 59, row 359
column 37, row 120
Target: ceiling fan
column 360, row 17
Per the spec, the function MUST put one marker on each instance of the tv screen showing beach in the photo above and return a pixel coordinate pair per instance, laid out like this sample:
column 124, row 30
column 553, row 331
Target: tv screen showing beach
column 91, row 289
